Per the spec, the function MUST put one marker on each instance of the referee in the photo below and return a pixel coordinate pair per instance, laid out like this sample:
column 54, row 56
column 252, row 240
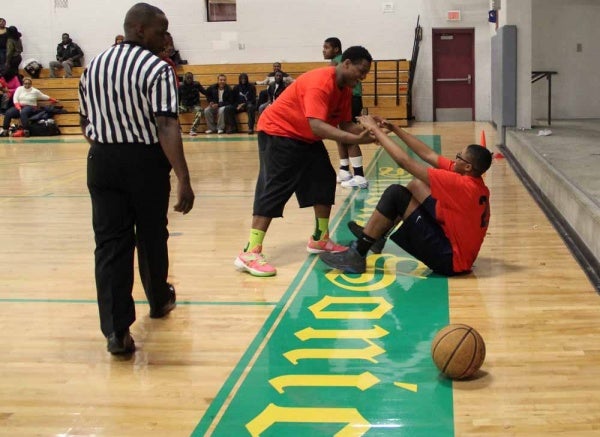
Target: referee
column 128, row 108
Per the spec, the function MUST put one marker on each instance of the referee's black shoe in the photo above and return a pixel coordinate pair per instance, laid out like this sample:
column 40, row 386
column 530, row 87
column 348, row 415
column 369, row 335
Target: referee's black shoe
column 357, row 231
column 157, row 313
column 348, row 261
column 120, row 343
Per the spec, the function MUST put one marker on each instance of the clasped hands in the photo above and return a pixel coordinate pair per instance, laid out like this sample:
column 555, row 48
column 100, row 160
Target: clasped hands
column 371, row 122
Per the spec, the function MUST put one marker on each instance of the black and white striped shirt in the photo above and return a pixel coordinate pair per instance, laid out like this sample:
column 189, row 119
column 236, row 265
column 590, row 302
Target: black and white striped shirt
column 121, row 92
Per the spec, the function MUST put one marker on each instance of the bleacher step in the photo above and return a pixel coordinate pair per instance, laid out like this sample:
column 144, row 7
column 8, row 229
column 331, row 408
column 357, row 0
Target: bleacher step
column 391, row 95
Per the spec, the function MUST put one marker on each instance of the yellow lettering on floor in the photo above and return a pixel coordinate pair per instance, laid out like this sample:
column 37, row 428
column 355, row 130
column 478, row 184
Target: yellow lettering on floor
column 381, row 272
column 407, row 386
column 310, row 333
column 368, row 353
column 362, row 382
column 319, row 309
column 356, row 426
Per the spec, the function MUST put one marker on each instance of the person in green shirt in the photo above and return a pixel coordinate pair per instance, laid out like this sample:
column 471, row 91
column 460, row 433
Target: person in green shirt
column 350, row 154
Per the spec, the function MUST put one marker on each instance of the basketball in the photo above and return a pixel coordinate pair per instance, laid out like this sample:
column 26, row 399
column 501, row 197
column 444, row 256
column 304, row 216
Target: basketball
column 458, row 351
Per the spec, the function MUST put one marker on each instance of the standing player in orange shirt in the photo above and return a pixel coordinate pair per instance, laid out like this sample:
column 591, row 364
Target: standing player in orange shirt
column 293, row 158
column 445, row 209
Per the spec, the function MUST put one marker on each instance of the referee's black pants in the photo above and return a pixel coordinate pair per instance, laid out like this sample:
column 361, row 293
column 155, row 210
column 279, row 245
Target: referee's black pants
column 129, row 186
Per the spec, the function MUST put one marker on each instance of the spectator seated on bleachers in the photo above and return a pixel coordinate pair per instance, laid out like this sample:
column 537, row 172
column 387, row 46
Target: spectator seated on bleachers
column 9, row 83
column 274, row 91
column 172, row 53
column 220, row 105
column 189, row 99
column 263, row 97
column 5, row 95
column 68, row 55
column 244, row 94
column 25, row 106
column 67, row 91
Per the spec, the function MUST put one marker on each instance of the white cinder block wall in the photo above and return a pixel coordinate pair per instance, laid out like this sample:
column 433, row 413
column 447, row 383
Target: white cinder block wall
column 284, row 30
column 559, row 27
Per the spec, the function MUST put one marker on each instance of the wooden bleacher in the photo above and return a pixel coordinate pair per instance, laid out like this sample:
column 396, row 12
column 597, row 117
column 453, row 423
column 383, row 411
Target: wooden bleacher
column 384, row 89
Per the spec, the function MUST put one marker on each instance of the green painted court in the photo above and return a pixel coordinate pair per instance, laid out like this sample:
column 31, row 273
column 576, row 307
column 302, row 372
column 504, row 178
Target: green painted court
column 345, row 355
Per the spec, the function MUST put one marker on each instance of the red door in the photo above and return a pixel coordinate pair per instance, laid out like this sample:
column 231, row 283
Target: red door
column 453, row 74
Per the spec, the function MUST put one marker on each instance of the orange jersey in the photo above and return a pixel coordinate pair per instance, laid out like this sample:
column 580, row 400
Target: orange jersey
column 462, row 210
column 314, row 94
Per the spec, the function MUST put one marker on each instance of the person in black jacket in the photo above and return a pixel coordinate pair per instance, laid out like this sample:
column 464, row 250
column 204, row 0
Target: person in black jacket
column 14, row 48
column 220, row 104
column 3, row 38
column 189, row 99
column 274, row 90
column 245, row 100
column 68, row 55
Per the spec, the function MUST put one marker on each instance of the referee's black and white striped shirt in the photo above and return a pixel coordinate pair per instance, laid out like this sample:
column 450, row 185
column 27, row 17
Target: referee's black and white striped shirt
column 122, row 90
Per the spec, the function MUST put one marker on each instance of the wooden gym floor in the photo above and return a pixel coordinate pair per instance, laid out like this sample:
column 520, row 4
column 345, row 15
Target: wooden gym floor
column 536, row 310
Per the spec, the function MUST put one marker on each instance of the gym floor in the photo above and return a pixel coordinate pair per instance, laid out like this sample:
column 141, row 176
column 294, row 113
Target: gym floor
column 307, row 352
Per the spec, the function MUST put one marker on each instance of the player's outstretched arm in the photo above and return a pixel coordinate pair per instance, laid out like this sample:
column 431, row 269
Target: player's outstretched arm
column 416, row 145
column 398, row 154
column 324, row 130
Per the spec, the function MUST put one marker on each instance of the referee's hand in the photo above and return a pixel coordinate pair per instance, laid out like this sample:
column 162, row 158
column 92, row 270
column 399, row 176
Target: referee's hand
column 185, row 197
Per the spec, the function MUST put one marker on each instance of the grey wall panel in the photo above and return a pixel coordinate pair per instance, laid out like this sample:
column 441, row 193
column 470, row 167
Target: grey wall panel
column 504, row 76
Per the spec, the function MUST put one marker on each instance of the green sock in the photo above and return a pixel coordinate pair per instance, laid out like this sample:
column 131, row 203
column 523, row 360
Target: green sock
column 256, row 239
column 321, row 228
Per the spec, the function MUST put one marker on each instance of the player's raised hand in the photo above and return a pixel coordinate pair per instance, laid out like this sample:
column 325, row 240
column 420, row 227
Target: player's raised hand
column 367, row 121
column 366, row 137
column 383, row 123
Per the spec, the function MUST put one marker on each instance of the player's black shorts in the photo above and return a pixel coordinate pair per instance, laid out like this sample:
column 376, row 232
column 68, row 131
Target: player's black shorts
column 289, row 166
column 357, row 106
column 422, row 236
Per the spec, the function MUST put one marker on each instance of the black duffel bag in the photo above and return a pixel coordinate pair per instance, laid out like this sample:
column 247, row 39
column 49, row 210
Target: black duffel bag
column 43, row 128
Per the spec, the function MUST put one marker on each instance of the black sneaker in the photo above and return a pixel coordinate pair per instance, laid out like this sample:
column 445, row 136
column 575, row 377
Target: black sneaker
column 349, row 261
column 120, row 343
column 166, row 308
column 357, row 231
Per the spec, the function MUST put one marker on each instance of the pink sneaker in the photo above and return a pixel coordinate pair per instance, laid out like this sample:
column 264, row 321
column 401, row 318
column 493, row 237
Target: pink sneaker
column 324, row 245
column 255, row 263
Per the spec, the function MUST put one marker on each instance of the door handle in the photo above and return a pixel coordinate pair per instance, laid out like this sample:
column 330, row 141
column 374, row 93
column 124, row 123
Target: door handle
column 457, row 79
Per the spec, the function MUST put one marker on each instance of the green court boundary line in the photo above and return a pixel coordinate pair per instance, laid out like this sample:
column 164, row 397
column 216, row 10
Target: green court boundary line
column 234, row 377
column 81, row 139
column 44, row 161
column 62, row 196
column 204, row 140
column 138, row 302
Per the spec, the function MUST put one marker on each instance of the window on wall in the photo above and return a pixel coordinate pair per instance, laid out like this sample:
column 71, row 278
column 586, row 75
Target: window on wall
column 221, row 10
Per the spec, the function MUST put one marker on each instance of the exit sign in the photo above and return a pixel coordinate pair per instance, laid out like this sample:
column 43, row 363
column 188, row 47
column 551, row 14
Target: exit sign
column 453, row 16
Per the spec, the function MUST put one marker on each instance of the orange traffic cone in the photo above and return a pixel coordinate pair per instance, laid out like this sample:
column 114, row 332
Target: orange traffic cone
column 483, row 143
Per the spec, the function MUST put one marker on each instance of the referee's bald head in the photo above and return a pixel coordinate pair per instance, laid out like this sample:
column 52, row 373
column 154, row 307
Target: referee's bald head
column 144, row 25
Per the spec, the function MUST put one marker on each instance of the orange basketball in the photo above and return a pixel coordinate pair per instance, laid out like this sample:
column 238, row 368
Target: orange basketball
column 458, row 351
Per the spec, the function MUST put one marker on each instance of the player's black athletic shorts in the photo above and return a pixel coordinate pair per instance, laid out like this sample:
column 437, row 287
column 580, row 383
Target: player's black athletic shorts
column 357, row 106
column 422, row 236
column 289, row 166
